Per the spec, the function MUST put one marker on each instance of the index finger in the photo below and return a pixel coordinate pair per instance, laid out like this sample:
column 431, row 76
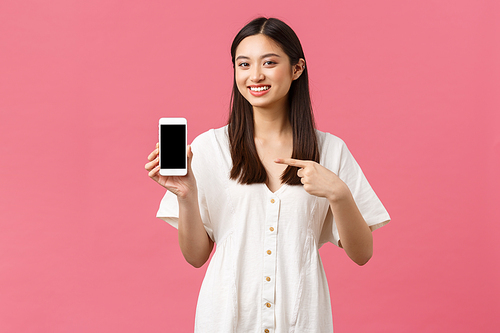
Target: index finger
column 291, row 162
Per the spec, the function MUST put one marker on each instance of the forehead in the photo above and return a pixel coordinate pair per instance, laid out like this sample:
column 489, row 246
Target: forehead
column 257, row 45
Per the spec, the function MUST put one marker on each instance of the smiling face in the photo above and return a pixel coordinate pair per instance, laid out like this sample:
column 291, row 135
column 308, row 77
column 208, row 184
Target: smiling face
column 263, row 72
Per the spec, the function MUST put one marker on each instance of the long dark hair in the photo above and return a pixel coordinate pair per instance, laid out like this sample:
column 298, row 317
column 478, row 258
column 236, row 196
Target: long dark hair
column 247, row 166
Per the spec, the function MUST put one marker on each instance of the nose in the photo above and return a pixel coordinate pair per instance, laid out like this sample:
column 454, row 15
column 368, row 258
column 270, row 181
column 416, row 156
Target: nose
column 257, row 75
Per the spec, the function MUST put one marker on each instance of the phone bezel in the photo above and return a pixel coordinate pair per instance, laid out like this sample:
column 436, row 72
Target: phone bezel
column 172, row 121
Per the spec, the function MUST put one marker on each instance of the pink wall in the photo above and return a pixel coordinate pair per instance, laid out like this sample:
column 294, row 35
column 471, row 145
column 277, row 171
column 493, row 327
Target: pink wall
column 412, row 87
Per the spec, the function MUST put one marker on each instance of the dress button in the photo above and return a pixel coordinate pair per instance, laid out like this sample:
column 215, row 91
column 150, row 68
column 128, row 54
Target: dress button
column 268, row 305
column 268, row 251
column 268, row 279
column 272, row 200
column 266, row 331
column 272, row 229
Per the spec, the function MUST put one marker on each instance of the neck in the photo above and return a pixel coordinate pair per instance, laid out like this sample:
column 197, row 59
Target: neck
column 271, row 122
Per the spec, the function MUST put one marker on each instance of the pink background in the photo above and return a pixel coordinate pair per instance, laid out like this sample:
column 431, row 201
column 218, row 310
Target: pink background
column 411, row 86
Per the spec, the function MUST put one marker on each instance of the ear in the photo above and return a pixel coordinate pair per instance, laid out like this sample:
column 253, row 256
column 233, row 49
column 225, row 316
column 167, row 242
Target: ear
column 298, row 68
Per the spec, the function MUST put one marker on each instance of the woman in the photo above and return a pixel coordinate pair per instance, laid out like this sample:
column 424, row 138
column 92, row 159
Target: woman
column 269, row 189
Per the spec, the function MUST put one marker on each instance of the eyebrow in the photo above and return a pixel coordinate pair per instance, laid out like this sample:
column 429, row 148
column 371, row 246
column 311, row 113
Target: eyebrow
column 262, row 57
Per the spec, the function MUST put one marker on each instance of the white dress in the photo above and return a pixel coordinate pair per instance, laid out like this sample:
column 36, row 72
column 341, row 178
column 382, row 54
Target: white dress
column 266, row 274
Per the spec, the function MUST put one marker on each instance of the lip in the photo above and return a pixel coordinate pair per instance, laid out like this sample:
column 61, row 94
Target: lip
column 259, row 93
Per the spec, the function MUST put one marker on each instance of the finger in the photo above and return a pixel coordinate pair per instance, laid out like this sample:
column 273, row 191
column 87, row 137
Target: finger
column 300, row 172
column 154, row 173
column 189, row 156
column 291, row 162
column 151, row 165
column 153, row 154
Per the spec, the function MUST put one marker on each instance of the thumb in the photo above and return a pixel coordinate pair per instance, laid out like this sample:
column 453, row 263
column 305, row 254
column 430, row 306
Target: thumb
column 189, row 157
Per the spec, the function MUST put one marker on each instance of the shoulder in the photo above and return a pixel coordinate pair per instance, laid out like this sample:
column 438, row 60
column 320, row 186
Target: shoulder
column 332, row 151
column 328, row 142
column 211, row 150
column 210, row 139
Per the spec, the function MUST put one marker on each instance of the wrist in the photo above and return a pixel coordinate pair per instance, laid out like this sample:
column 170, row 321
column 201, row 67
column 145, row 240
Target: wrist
column 188, row 198
column 339, row 194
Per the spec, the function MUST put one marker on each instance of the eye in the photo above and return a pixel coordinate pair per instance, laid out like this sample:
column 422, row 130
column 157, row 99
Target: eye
column 269, row 62
column 243, row 64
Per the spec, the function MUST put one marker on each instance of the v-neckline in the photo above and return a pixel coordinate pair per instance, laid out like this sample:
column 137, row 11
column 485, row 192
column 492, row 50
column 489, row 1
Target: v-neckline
column 278, row 191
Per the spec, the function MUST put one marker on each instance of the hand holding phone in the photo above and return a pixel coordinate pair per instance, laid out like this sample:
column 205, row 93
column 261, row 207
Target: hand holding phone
column 182, row 186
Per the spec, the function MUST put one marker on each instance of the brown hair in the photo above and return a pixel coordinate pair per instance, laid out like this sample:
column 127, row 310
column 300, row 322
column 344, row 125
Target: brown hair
column 247, row 166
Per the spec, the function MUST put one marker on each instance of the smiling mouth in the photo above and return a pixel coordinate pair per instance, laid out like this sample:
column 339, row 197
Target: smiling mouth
column 262, row 88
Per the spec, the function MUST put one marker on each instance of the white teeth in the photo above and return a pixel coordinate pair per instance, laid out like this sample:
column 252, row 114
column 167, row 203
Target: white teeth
column 259, row 88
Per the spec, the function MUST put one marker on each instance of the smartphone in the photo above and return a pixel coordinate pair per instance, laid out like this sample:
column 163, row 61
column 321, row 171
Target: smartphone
column 173, row 146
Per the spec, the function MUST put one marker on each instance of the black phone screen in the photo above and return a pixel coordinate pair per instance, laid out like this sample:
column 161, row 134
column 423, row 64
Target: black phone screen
column 173, row 146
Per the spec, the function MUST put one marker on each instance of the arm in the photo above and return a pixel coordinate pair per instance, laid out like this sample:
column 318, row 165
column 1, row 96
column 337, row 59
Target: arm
column 194, row 241
column 355, row 234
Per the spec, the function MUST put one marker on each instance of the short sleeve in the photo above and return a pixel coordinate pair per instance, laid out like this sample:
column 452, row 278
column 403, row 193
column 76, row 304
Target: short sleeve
column 370, row 206
column 169, row 206
column 169, row 209
column 169, row 212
